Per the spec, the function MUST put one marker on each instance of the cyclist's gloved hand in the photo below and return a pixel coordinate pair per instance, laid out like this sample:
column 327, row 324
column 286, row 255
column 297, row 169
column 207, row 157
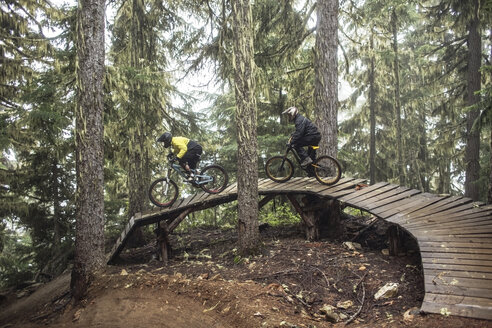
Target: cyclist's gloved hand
column 171, row 157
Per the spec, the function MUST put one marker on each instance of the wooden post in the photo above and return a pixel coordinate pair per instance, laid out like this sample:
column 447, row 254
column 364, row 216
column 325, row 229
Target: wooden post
column 395, row 243
column 309, row 217
column 330, row 217
column 163, row 242
column 318, row 213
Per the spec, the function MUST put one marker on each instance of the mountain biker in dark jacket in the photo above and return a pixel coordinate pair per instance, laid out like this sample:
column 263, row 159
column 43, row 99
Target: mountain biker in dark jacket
column 306, row 134
column 187, row 151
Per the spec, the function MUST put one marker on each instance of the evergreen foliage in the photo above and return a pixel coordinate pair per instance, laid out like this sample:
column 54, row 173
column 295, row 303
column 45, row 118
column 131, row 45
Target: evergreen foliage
column 153, row 45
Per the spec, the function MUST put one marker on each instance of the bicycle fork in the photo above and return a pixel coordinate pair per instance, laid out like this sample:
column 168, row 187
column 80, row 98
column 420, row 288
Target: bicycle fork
column 166, row 177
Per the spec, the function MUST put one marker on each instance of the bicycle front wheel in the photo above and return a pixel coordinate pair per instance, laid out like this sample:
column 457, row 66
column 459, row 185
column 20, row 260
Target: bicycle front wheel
column 327, row 170
column 217, row 178
column 163, row 192
column 279, row 168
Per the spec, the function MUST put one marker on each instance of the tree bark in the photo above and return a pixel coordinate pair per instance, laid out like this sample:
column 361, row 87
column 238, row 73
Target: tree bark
column 489, row 194
column 326, row 75
column 246, row 122
column 89, row 236
column 396, row 71
column 372, row 113
column 472, row 150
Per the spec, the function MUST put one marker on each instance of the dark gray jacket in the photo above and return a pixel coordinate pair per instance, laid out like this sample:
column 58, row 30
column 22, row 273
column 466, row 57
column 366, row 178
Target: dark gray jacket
column 304, row 128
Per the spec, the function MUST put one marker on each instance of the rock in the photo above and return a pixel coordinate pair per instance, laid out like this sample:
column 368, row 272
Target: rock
column 385, row 252
column 329, row 312
column 345, row 305
column 124, row 273
column 352, row 246
column 387, row 291
column 409, row 314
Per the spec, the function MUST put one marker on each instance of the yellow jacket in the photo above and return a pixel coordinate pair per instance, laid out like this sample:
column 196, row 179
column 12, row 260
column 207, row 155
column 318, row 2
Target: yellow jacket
column 180, row 146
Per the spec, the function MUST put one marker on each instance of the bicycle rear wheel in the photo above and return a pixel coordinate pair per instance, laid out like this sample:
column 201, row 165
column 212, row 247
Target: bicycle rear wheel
column 218, row 179
column 279, row 168
column 163, row 192
column 327, row 170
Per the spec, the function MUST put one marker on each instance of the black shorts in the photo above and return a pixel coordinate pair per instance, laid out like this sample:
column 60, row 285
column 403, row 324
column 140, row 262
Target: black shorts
column 192, row 156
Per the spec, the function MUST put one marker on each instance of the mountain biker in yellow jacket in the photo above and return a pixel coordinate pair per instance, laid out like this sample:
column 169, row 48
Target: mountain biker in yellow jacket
column 187, row 151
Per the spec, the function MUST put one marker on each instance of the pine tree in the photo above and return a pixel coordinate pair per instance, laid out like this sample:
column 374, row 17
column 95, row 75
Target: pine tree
column 247, row 167
column 89, row 239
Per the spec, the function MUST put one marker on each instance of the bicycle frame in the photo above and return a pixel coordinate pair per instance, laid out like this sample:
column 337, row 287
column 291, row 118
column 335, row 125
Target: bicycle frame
column 199, row 178
column 292, row 150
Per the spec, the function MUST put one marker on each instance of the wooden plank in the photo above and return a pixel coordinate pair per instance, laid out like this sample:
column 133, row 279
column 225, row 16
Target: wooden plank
column 232, row 188
column 457, row 239
column 450, row 216
column 341, row 185
column 367, row 199
column 458, row 274
column 419, row 200
column 461, row 250
column 472, row 243
column 285, row 187
column 457, row 290
column 386, row 207
column 456, row 255
column 448, row 211
column 415, row 201
column 456, row 267
column 457, row 231
column 430, row 204
column 343, row 192
column 390, row 196
column 426, row 212
column 443, row 201
column 332, row 190
column 375, row 188
column 474, row 307
column 443, row 280
column 466, row 221
column 486, row 264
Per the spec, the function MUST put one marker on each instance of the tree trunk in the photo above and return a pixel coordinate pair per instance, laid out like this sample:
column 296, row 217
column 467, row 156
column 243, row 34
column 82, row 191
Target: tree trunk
column 89, row 236
column 472, row 150
column 489, row 195
column 326, row 75
column 372, row 114
column 138, row 180
column 246, row 116
column 396, row 71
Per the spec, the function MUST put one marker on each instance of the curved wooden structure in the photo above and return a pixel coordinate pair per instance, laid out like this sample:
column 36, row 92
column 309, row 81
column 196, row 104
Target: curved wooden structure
column 454, row 234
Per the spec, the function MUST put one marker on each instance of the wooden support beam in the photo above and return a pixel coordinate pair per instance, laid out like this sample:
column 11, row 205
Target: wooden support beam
column 311, row 219
column 163, row 243
column 180, row 218
column 265, row 200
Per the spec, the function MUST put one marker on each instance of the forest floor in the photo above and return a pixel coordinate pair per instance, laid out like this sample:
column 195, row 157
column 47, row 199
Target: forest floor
column 294, row 283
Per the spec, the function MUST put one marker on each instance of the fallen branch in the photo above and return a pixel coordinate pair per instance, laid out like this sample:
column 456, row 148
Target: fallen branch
column 361, row 301
column 326, row 279
column 360, row 308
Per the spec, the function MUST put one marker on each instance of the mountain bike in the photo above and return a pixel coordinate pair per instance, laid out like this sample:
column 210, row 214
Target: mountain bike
column 326, row 169
column 163, row 192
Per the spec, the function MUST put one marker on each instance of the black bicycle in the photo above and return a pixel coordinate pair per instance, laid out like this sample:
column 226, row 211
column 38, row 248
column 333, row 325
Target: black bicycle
column 212, row 179
column 325, row 169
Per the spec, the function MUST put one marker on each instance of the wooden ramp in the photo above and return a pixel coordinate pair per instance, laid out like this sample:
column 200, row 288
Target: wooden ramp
column 454, row 234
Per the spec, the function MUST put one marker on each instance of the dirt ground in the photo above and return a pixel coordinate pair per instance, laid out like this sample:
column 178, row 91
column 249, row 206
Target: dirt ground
column 293, row 283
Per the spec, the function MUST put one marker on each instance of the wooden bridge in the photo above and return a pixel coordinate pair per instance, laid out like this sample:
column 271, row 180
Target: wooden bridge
column 454, row 234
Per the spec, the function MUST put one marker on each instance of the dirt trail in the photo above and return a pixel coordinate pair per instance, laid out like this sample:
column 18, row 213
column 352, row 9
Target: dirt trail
column 207, row 285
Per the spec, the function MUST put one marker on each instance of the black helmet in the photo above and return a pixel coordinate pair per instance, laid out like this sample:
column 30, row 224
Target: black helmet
column 166, row 139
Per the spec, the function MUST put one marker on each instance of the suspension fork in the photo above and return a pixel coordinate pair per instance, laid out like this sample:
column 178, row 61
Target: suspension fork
column 166, row 187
